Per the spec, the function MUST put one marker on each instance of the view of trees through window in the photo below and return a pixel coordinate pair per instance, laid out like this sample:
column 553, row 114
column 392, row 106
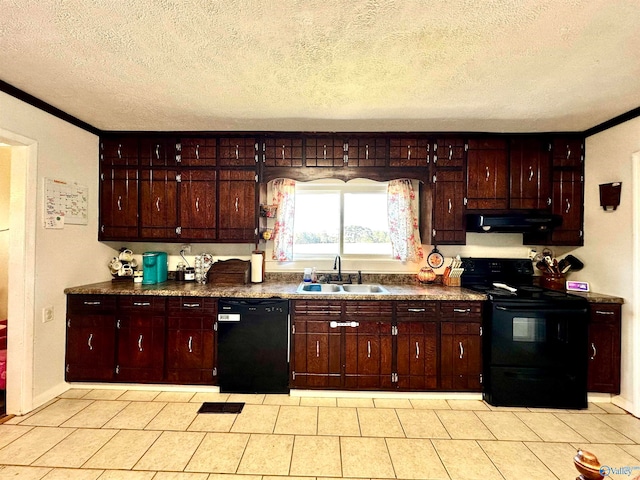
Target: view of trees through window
column 341, row 219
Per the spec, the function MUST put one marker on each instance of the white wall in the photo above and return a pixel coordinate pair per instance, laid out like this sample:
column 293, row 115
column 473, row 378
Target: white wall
column 607, row 253
column 64, row 257
column 5, row 180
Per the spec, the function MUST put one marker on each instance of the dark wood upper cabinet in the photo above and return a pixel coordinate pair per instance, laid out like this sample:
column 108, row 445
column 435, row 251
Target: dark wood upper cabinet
column 325, row 151
column 409, row 152
column 367, row 152
column 158, row 151
column 238, row 151
column 119, row 151
column 487, row 174
column 158, row 204
column 197, row 152
column 237, row 219
column 448, row 226
column 198, row 219
column 118, row 204
column 530, row 174
column 567, row 201
column 568, row 152
column 282, row 152
column 449, row 152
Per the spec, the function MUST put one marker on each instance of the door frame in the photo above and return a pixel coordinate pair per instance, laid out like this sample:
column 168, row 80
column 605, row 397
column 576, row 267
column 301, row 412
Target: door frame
column 635, row 327
column 22, row 261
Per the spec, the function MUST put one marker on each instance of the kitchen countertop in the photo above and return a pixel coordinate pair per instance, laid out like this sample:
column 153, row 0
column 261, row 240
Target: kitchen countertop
column 286, row 289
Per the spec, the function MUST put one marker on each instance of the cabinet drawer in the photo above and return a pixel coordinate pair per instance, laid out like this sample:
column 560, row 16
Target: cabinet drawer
column 195, row 305
column 466, row 310
column 454, row 328
column 317, row 307
column 142, row 303
column 605, row 312
column 91, row 303
column 415, row 310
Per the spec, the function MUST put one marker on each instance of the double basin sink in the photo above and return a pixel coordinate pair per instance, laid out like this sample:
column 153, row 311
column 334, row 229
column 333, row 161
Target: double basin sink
column 333, row 288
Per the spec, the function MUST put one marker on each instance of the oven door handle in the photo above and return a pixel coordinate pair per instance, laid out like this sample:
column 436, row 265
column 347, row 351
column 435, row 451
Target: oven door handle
column 536, row 308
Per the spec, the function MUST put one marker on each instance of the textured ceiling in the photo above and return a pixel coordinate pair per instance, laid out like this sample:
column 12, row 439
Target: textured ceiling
column 458, row 65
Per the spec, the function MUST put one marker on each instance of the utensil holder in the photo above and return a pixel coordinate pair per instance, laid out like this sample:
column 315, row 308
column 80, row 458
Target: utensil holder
column 553, row 281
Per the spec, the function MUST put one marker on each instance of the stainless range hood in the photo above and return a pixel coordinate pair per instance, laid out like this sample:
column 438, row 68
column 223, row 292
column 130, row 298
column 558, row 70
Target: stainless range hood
column 513, row 222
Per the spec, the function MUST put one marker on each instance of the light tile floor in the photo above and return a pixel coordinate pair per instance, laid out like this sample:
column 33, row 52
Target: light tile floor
column 131, row 435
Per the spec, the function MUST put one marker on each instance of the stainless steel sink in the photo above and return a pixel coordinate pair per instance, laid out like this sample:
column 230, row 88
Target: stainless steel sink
column 365, row 288
column 319, row 288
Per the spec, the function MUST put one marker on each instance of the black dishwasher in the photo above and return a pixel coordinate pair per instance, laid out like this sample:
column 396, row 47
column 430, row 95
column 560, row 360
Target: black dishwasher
column 253, row 345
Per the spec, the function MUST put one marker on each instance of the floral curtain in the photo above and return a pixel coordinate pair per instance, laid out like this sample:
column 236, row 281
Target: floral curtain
column 284, row 190
column 403, row 221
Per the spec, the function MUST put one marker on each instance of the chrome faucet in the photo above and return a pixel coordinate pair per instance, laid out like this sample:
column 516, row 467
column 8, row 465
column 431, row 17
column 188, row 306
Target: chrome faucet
column 337, row 263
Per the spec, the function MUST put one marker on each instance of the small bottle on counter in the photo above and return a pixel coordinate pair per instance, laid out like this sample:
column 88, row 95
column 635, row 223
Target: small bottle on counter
column 307, row 275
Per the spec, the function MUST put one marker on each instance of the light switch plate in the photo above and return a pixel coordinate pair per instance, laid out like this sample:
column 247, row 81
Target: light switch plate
column 47, row 314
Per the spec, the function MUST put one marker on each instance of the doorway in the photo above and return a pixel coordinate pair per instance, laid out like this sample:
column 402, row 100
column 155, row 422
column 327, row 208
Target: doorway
column 5, row 197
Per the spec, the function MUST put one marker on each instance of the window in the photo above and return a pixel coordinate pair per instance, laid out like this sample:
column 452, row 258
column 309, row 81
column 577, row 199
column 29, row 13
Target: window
column 334, row 218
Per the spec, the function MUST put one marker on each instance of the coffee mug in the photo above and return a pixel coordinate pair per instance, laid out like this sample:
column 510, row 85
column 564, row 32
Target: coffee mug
column 133, row 263
column 126, row 271
column 126, row 255
column 115, row 264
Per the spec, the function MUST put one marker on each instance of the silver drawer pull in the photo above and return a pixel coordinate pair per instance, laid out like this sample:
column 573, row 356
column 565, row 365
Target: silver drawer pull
column 417, row 350
column 92, row 303
column 416, row 309
column 368, row 348
column 190, row 344
column 317, row 348
column 91, row 338
column 190, row 305
column 335, row 324
column 141, row 304
column 140, row 342
column 461, row 349
column 603, row 312
column 462, row 310
column 595, row 352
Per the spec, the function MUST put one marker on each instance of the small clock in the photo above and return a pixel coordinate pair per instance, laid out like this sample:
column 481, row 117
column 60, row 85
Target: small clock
column 435, row 258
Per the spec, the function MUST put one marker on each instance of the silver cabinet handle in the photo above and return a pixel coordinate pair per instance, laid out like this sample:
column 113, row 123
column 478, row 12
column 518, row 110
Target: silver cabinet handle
column 317, row 348
column 190, row 305
column 450, row 152
column 158, row 203
column 119, row 202
column 530, row 172
column 140, row 343
column 568, row 205
column 119, row 150
column 568, row 152
column 368, row 348
column 366, row 152
column 461, row 349
column 237, row 152
column 158, row 152
column 416, row 309
column 408, row 152
column 91, row 303
column 283, row 152
column 603, row 312
column 595, row 352
column 462, row 310
column 197, row 204
column 190, row 344
column 417, row 350
column 141, row 304
column 335, row 324
column 450, row 205
column 486, row 174
column 197, row 152
column 91, row 338
column 237, row 201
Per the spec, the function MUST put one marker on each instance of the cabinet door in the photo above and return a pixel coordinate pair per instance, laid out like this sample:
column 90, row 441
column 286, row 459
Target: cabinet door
column 325, row 152
column 238, row 151
column 90, row 338
column 460, row 356
column 530, row 179
column 158, row 204
column 568, row 152
column 368, row 354
column 449, row 152
column 568, row 187
column 417, row 355
column 409, row 152
column 158, row 151
column 487, row 172
column 198, row 205
column 118, row 204
column 237, row 207
column 119, row 151
column 140, row 348
column 282, row 152
column 604, row 348
column 448, row 208
column 191, row 342
column 367, row 152
column 197, row 152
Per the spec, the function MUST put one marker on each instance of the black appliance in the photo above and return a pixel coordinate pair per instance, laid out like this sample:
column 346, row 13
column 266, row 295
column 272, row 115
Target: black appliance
column 513, row 222
column 253, row 345
column 535, row 348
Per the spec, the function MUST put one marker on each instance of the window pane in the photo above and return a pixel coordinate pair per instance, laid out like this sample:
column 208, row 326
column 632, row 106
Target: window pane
column 365, row 224
column 317, row 223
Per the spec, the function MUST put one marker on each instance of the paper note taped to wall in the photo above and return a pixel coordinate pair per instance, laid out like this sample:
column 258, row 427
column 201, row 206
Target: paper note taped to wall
column 65, row 203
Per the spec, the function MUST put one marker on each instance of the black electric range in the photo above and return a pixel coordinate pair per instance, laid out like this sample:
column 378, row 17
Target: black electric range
column 535, row 346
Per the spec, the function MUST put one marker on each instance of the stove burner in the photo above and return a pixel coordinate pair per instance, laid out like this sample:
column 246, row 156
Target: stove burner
column 530, row 288
column 501, row 293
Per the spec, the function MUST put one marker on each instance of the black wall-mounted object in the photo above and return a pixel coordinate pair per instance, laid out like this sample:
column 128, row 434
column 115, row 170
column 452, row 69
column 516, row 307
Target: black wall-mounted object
column 610, row 195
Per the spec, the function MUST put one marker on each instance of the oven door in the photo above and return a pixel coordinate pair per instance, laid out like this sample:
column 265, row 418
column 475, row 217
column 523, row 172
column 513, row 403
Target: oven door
column 538, row 336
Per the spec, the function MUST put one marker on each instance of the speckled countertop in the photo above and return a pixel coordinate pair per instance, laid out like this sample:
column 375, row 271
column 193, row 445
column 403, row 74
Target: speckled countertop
column 287, row 289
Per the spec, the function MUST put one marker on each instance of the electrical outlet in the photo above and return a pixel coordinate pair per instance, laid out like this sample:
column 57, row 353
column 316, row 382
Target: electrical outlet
column 47, row 314
column 186, row 248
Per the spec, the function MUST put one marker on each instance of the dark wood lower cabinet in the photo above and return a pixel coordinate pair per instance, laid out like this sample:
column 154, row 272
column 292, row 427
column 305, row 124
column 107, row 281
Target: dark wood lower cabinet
column 417, row 355
column 604, row 348
column 368, row 355
column 461, row 356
